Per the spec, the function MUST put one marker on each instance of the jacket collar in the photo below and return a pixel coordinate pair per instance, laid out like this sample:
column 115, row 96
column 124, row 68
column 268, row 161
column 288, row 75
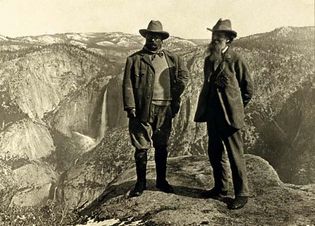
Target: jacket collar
column 145, row 55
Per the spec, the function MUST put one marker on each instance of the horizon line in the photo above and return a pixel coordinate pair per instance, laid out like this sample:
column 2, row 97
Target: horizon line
column 107, row 32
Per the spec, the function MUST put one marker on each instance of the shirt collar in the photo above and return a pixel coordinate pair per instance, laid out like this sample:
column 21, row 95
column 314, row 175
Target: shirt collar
column 153, row 54
column 160, row 51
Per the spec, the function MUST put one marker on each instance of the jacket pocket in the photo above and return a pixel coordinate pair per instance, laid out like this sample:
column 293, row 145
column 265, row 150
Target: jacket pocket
column 234, row 110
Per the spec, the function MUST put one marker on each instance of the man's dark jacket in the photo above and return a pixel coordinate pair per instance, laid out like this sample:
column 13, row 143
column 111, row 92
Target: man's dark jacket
column 138, row 82
column 233, row 95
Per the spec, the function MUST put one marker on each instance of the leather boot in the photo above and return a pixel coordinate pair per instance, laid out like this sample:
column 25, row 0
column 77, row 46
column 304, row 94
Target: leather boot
column 160, row 165
column 141, row 165
column 238, row 203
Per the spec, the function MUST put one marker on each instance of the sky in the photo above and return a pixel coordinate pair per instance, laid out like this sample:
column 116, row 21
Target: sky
column 181, row 18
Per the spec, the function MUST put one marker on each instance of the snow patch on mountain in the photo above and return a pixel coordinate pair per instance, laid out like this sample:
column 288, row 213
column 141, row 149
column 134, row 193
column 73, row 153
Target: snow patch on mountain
column 105, row 43
column 77, row 43
column 48, row 39
column 78, row 37
column 3, row 38
column 96, row 50
column 283, row 31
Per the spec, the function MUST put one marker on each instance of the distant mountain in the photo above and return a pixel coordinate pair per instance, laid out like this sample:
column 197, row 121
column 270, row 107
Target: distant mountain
column 60, row 99
column 116, row 45
column 281, row 39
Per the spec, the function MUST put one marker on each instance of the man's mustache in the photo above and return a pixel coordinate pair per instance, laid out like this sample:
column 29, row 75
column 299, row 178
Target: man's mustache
column 214, row 50
column 213, row 46
column 152, row 43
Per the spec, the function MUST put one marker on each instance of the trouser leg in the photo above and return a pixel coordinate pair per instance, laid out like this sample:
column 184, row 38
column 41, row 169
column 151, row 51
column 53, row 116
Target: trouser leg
column 161, row 122
column 160, row 163
column 141, row 165
column 218, row 160
column 234, row 147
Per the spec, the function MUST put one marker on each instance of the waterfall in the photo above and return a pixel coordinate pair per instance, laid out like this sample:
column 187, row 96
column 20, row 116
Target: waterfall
column 103, row 125
column 86, row 143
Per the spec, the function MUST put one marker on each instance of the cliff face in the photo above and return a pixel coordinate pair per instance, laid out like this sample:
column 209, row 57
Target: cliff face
column 288, row 138
column 50, row 114
column 26, row 183
column 61, row 108
column 95, row 170
column 26, row 140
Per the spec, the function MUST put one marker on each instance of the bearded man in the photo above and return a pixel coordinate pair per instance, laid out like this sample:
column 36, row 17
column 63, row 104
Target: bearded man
column 227, row 89
column 153, row 82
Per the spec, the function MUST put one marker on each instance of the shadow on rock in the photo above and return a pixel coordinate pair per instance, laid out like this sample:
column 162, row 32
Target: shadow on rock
column 123, row 190
column 109, row 193
column 196, row 193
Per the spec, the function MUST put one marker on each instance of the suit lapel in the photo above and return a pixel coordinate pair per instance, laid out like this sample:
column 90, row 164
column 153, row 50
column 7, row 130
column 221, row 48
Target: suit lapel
column 215, row 65
column 215, row 70
column 147, row 59
column 218, row 66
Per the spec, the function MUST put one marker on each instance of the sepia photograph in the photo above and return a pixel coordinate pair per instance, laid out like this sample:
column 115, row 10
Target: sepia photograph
column 157, row 113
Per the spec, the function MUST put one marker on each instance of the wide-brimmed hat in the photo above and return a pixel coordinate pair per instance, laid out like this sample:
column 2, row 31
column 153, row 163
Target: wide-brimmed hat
column 154, row 26
column 224, row 26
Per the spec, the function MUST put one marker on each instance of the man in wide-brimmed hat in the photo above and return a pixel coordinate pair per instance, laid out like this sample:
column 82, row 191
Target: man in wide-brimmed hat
column 226, row 91
column 154, row 80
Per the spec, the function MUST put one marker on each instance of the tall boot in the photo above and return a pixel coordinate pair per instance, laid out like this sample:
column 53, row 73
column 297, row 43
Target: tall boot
column 141, row 165
column 160, row 165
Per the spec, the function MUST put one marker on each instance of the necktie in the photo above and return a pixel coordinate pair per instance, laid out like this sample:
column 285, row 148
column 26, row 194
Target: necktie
column 159, row 53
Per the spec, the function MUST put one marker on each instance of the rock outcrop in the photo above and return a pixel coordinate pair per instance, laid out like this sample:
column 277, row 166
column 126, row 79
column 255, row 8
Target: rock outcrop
column 26, row 140
column 93, row 171
column 18, row 188
column 271, row 202
column 27, row 169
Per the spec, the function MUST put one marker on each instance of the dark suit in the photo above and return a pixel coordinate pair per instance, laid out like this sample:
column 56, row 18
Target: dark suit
column 153, row 122
column 226, row 91
column 138, row 80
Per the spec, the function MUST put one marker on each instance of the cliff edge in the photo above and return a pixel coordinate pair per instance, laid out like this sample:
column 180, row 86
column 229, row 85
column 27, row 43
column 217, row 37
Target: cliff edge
column 271, row 202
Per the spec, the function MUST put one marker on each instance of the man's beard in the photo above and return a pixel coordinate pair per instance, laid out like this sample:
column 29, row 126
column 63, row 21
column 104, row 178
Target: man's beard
column 215, row 51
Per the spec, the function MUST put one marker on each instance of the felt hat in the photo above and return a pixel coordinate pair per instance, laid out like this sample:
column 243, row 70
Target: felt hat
column 154, row 26
column 224, row 26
